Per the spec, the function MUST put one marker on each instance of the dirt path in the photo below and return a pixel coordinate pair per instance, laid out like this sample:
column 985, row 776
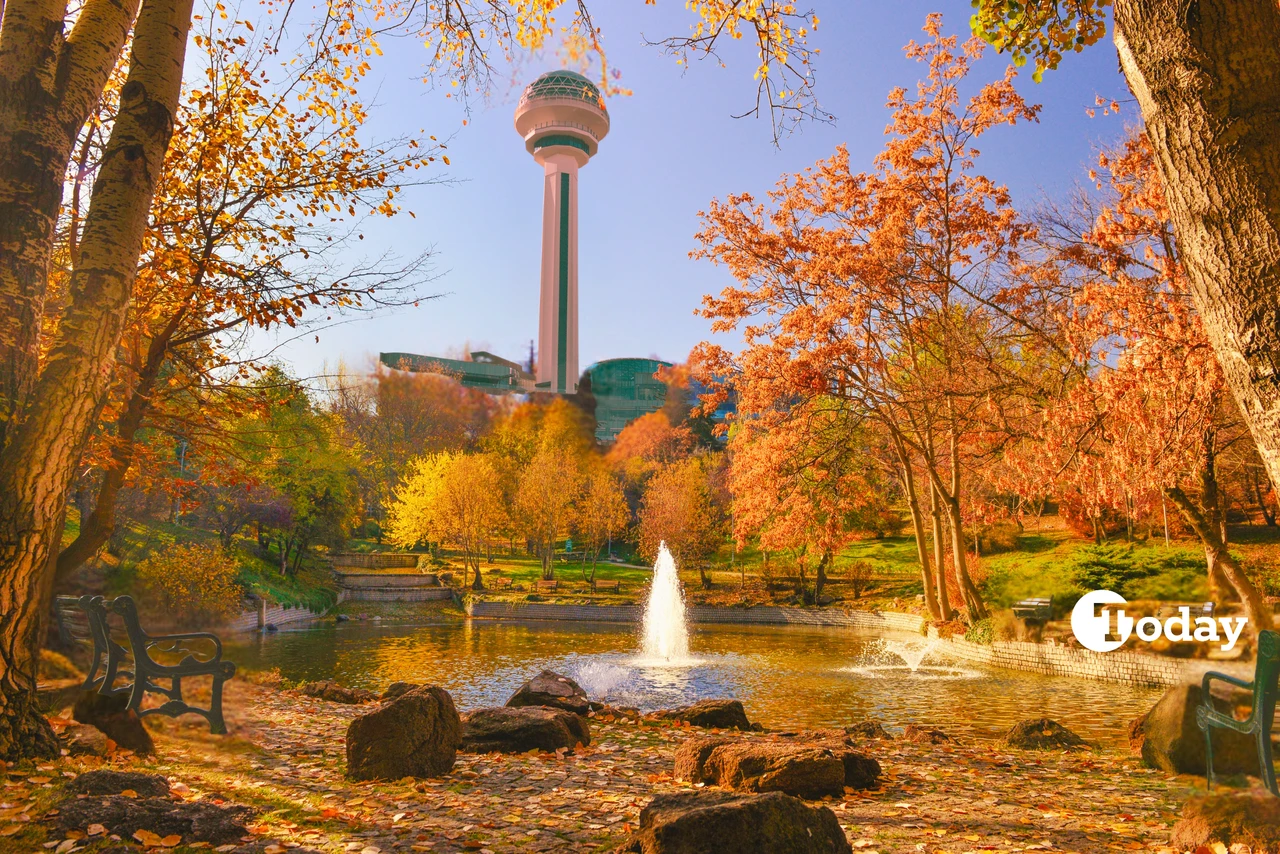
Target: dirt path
column 286, row 757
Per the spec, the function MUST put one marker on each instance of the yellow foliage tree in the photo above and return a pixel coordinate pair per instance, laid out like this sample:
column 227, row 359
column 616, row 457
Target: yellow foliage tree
column 194, row 583
column 452, row 498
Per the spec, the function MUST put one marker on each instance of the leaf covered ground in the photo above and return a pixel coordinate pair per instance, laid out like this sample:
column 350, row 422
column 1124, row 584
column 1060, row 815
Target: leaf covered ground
column 285, row 757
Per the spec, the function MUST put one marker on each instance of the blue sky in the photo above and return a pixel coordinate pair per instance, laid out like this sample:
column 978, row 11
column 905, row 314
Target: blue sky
column 672, row 147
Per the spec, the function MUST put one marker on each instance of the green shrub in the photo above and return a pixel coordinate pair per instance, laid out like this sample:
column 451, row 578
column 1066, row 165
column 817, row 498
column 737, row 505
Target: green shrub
column 1111, row 566
column 980, row 632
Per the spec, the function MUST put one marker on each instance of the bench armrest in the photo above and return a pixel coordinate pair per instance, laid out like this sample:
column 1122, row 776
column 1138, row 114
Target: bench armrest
column 1222, row 677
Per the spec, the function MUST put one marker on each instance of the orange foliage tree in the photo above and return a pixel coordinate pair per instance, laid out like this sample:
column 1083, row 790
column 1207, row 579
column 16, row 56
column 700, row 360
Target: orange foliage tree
column 1144, row 415
column 893, row 291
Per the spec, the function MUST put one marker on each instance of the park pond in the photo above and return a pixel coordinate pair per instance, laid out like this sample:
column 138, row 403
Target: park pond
column 786, row 676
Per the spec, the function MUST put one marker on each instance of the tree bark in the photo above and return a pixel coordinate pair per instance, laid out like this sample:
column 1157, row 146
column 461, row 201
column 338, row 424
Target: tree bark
column 43, row 443
column 49, row 83
column 917, row 526
column 1255, row 607
column 1207, row 77
column 939, row 554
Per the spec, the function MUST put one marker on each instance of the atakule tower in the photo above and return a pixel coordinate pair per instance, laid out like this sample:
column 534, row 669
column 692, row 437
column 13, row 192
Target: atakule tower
column 562, row 118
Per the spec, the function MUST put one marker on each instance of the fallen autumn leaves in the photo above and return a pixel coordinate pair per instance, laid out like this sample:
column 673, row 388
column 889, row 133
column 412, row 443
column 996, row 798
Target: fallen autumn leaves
column 285, row 759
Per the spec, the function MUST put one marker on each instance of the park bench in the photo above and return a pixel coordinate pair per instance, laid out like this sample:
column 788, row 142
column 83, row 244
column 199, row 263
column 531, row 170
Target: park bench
column 198, row 653
column 1203, row 609
column 500, row 583
column 603, row 586
column 1261, row 715
column 545, row 586
column 1034, row 609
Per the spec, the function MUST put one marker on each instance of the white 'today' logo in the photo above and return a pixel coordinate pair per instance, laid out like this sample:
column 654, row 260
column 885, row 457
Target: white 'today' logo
column 1092, row 627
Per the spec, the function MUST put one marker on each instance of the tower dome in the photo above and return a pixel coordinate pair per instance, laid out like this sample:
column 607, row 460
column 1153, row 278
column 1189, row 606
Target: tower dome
column 565, row 111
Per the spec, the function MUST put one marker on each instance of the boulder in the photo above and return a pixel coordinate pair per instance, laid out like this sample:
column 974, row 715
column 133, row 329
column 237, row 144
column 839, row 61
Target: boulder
column 805, row 770
column 85, row 740
column 108, row 782
column 111, row 716
column 701, row 822
column 867, row 729
column 414, row 735
column 1250, row 820
column 329, row 690
column 1173, row 743
column 124, row 816
column 553, row 690
column 398, row 689
column 711, row 714
column 508, row 730
column 1042, row 734
column 925, row 735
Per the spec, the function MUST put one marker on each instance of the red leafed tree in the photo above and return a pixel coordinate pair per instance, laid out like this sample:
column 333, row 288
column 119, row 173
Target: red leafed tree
column 1145, row 413
column 895, row 291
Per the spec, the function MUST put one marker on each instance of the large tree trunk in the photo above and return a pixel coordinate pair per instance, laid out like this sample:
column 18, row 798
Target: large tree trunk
column 1207, row 77
column 44, row 442
column 49, row 83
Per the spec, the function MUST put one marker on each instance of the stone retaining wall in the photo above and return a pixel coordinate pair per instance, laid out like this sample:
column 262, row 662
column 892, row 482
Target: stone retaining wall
column 275, row 615
column 380, row 560
column 396, row 594
column 1129, row 668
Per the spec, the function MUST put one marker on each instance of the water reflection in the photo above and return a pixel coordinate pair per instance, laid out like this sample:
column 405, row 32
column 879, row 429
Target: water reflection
column 787, row 676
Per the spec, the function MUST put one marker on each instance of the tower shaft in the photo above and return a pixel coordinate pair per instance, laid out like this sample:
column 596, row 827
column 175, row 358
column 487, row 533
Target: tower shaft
column 558, row 305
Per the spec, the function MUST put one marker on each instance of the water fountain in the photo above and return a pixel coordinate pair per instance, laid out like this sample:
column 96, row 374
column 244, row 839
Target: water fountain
column 664, row 637
column 912, row 654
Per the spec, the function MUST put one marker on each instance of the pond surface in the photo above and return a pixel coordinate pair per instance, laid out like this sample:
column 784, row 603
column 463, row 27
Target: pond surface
column 786, row 676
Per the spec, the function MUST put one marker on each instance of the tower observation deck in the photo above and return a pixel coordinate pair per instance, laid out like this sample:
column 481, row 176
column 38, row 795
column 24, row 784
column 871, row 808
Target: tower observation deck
column 562, row 118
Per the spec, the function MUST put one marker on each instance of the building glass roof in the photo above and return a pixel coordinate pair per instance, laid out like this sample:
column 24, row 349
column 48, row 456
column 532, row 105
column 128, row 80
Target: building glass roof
column 563, row 84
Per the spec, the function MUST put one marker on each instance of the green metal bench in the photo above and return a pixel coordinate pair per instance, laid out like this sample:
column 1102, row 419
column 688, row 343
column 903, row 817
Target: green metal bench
column 1261, row 716
column 200, row 655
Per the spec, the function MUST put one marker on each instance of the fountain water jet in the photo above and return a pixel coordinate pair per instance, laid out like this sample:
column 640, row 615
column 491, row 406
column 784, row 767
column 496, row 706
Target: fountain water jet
column 912, row 653
column 664, row 637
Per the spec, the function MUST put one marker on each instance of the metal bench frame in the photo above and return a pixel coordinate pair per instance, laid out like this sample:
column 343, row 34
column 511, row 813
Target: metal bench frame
column 1264, row 687
column 109, row 655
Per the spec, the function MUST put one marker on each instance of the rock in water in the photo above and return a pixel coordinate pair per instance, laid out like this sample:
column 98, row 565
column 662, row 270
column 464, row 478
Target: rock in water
column 508, row 730
column 925, row 735
column 805, row 770
column 110, row 715
column 712, row 714
column 1172, row 742
column 702, row 822
column 554, row 690
column 415, row 735
column 398, row 689
column 1042, row 734
column 124, row 816
column 867, row 729
column 1248, row 821
column 108, row 782
column 329, row 690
